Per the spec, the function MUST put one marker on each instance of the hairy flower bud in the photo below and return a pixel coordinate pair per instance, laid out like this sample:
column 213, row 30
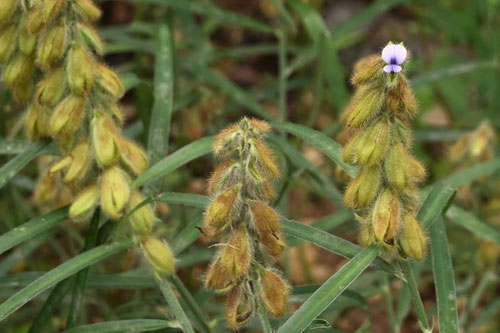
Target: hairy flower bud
column 365, row 105
column 51, row 9
column 265, row 160
column 80, row 70
column 159, row 255
column 367, row 70
column 37, row 122
column 91, row 37
column 84, row 205
column 104, row 134
column 8, row 37
column 67, row 116
column 81, row 159
column 350, row 153
column 224, row 143
column 87, row 10
column 220, row 213
column 373, row 147
column 273, row 242
column 274, row 292
column 7, row 8
column 366, row 236
column 218, row 279
column 142, row 219
column 52, row 46
column 18, row 71
column 363, row 189
column 109, row 81
column 223, row 176
column 236, row 256
column 412, row 239
column 132, row 155
column 397, row 167
column 27, row 41
column 239, row 307
column 36, row 20
column 264, row 218
column 115, row 192
column 385, row 216
column 51, row 89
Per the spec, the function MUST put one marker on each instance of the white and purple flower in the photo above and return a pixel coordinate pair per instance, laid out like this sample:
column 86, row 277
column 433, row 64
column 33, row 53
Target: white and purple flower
column 394, row 56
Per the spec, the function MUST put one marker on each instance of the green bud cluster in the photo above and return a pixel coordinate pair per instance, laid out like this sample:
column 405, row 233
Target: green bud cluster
column 75, row 101
column 385, row 192
column 245, row 226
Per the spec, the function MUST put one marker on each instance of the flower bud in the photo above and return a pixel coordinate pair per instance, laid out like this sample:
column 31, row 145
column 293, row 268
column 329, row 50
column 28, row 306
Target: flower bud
column 365, row 105
column 80, row 70
column 37, row 122
column 418, row 171
column 220, row 213
column 159, row 255
column 265, row 160
column 366, row 236
column 223, row 176
column 397, row 166
column 62, row 164
column 367, row 70
column 52, row 8
column 51, row 89
column 236, row 256
column 224, row 142
column 92, row 38
column 259, row 126
column 87, row 10
column 385, row 216
column 8, row 37
column 273, row 242
column 274, row 292
column 109, row 81
column 18, row 71
column 142, row 219
column 373, row 147
column 363, row 189
column 239, row 307
column 7, row 9
column 412, row 239
column 350, row 152
column 104, row 132
column 67, row 116
column 36, row 20
column 217, row 278
column 115, row 192
column 81, row 159
column 266, row 191
column 264, row 218
column 52, row 46
column 84, row 205
column 27, row 41
column 132, row 155
column 23, row 93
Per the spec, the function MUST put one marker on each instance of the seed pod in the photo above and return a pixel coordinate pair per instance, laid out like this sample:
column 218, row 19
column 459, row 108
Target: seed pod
column 7, row 9
column 364, row 106
column 220, row 213
column 373, row 147
column 132, row 155
column 27, row 41
column 273, row 242
column 159, row 255
column 350, row 152
column 87, row 10
column 239, row 307
column 366, row 236
column 92, row 38
column 367, row 70
column 397, row 166
column 84, row 205
column 109, row 81
column 52, row 46
column 217, row 278
column 265, row 160
column 115, row 192
column 104, row 133
column 52, row 8
column 67, row 116
column 225, row 142
column 412, row 239
column 274, row 292
column 81, row 159
column 8, row 37
column 142, row 219
column 79, row 70
column 18, row 71
column 236, row 256
column 363, row 189
column 264, row 218
column 52, row 88
column 386, row 216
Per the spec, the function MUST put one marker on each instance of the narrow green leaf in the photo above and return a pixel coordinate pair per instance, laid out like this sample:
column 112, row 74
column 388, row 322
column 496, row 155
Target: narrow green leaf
column 329, row 291
column 473, row 224
column 124, row 326
column 188, row 199
column 175, row 160
column 444, row 279
column 412, row 286
column 32, row 228
column 466, row 176
column 328, row 146
column 435, row 203
column 489, row 313
column 23, row 251
column 173, row 303
column 59, row 273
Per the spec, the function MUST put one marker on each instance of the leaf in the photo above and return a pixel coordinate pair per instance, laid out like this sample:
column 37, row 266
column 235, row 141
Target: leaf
column 32, row 228
column 59, row 273
column 328, row 146
column 444, row 279
column 329, row 291
column 175, row 160
column 124, row 326
column 466, row 176
column 473, row 224
column 435, row 203
column 412, row 286
column 173, row 303
column 12, row 167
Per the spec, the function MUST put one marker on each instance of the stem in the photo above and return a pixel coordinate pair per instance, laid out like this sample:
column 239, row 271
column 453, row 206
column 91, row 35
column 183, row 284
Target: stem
column 415, row 295
column 386, row 286
column 282, row 72
column 264, row 319
column 318, row 85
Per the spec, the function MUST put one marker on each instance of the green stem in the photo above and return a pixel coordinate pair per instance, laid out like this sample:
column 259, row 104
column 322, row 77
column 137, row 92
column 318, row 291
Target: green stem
column 415, row 295
column 282, row 72
column 264, row 319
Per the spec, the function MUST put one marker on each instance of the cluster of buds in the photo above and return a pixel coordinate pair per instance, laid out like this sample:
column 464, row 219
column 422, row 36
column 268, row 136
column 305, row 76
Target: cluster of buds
column 76, row 102
column 245, row 226
column 385, row 192
column 474, row 147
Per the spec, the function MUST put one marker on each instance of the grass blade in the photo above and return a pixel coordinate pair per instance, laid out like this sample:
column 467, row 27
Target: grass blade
column 473, row 224
column 123, row 326
column 443, row 278
column 463, row 177
column 411, row 283
column 435, row 203
column 173, row 303
column 329, row 291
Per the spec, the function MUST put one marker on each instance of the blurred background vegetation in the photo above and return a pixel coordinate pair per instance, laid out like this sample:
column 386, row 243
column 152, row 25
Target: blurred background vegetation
column 281, row 60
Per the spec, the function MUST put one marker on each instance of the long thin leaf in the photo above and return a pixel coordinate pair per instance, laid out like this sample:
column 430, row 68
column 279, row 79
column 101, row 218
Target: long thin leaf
column 173, row 303
column 329, row 291
column 466, row 176
column 411, row 283
column 124, row 326
column 473, row 224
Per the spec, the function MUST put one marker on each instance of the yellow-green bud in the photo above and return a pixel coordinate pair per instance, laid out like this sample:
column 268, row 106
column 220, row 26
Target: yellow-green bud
column 350, row 152
column 7, row 8
column 365, row 105
column 220, row 213
column 142, row 219
column 85, row 203
column 266, row 161
column 52, row 88
column 61, row 165
column 236, row 256
column 36, row 20
column 274, row 292
column 159, row 256
column 92, row 38
column 8, row 37
column 132, row 155
column 220, row 178
column 385, row 216
column 23, row 93
column 52, row 46
column 264, row 218
column 367, row 70
column 87, row 10
column 18, row 71
column 67, row 116
column 27, row 41
column 366, row 236
column 81, row 159
column 373, row 147
column 363, row 189
column 52, row 8
column 225, row 139
column 397, row 166
column 104, row 132
column 218, row 279
column 37, row 122
column 109, row 81
column 115, row 192
column 412, row 239
column 80, row 70
column 273, row 242
column 239, row 307
column 418, row 171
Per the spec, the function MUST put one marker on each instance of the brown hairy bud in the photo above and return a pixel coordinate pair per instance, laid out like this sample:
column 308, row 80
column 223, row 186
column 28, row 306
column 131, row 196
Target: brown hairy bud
column 274, row 292
column 36, row 20
column 51, row 9
column 7, row 9
column 368, row 69
column 91, row 37
column 385, row 216
column 239, row 307
column 80, row 70
column 373, row 147
column 52, row 46
column 143, row 218
column 132, row 155
column 51, row 89
column 273, row 242
column 8, row 37
column 259, row 126
column 104, row 133
column 363, row 189
column 159, row 256
column 109, row 81
column 224, row 140
column 87, row 10
column 220, row 213
column 236, row 256
column 223, row 176
column 412, row 239
column 19, row 70
column 218, row 279
column 264, row 218
column 84, row 205
column 397, row 166
column 366, row 236
column 115, row 192
column 67, row 116
column 265, row 160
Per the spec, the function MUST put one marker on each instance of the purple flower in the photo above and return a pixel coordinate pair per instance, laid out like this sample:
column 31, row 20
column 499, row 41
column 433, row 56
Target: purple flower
column 394, row 56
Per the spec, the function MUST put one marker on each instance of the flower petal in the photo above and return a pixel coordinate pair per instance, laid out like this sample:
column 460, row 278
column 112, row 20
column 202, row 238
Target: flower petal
column 392, row 68
column 394, row 54
column 400, row 54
